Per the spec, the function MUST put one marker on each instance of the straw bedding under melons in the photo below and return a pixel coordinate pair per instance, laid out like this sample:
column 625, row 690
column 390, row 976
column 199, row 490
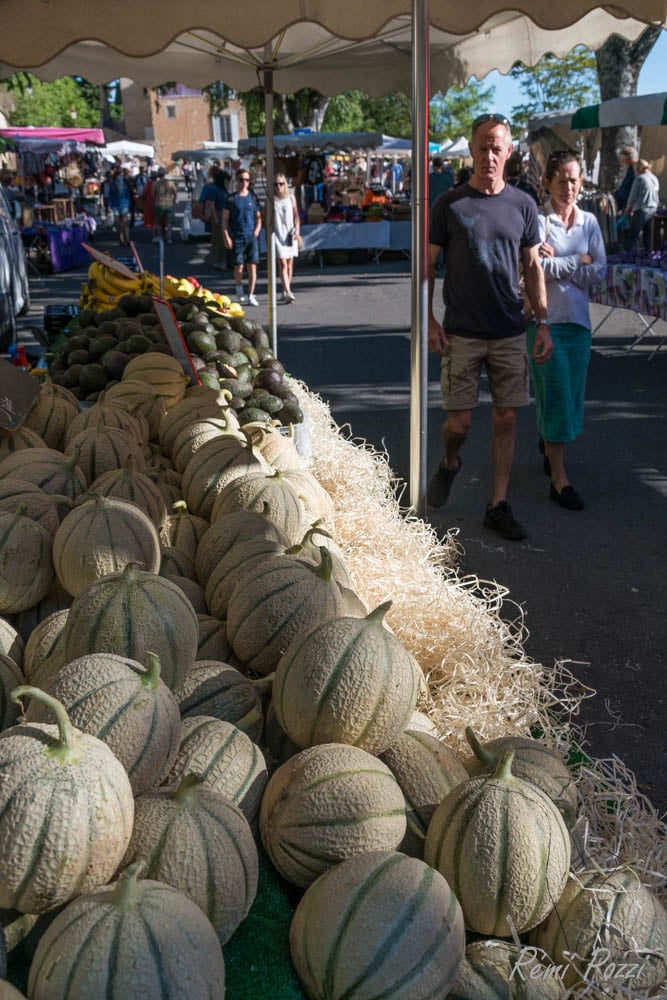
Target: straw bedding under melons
column 474, row 661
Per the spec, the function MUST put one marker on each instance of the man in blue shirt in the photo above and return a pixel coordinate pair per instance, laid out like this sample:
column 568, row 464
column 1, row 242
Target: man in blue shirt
column 241, row 226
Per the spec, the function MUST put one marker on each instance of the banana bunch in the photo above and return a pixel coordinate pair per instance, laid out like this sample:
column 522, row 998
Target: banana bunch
column 105, row 288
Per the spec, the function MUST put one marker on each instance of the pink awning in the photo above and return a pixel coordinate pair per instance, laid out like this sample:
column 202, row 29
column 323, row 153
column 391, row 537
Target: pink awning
column 93, row 135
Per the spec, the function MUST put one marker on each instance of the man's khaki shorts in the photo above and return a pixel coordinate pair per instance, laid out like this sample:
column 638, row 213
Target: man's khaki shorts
column 506, row 366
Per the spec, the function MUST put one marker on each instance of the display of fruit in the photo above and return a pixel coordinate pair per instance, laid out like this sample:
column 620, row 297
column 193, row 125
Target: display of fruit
column 117, row 323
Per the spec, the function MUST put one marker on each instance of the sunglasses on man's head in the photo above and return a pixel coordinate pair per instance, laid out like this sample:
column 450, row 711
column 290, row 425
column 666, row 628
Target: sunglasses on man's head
column 480, row 119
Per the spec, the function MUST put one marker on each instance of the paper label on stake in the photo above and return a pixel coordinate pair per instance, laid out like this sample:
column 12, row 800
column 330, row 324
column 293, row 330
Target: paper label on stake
column 109, row 261
column 172, row 332
column 18, row 391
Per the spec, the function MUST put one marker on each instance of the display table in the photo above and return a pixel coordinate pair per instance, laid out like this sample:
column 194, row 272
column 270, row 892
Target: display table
column 639, row 288
column 376, row 237
column 56, row 248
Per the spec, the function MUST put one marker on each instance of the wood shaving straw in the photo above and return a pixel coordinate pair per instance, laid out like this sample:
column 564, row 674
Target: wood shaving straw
column 474, row 662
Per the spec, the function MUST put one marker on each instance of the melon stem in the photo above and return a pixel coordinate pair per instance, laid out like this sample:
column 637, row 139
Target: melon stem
column 66, row 731
column 186, row 785
column 487, row 757
column 151, row 676
column 377, row 614
column 503, row 772
column 126, row 891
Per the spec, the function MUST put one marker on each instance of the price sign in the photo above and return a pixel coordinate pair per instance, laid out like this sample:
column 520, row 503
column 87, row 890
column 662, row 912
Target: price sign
column 109, row 261
column 172, row 332
column 18, row 391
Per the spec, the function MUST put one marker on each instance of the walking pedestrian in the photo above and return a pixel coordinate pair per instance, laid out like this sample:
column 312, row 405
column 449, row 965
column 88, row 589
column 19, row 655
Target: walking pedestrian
column 164, row 199
column 642, row 205
column 287, row 229
column 119, row 202
column 573, row 258
column 484, row 227
column 241, row 226
column 213, row 197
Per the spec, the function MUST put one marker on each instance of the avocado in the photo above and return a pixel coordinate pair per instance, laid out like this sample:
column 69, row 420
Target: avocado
column 263, row 353
column 272, row 404
column 77, row 343
column 291, row 413
column 115, row 313
column 260, row 339
column 269, row 379
column 220, row 323
column 114, row 363
column 78, row 357
column 244, row 373
column 138, row 344
column 130, row 304
column 242, row 389
column 250, row 414
column 272, row 363
column 87, row 317
column 200, row 342
column 206, row 377
column 149, row 319
column 100, row 345
column 70, row 378
column 146, row 303
column 159, row 349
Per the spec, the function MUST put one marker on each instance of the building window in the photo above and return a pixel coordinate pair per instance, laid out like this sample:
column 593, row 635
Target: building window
column 171, row 111
column 225, row 128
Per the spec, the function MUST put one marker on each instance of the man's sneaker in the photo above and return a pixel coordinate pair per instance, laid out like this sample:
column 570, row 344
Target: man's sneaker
column 437, row 492
column 501, row 520
column 252, row 301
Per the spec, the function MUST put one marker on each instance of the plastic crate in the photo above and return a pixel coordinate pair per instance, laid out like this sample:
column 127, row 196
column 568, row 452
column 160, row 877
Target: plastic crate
column 56, row 319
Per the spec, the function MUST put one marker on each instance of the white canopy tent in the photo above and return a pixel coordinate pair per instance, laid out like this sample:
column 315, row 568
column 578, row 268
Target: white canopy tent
column 127, row 147
column 459, row 147
column 390, row 45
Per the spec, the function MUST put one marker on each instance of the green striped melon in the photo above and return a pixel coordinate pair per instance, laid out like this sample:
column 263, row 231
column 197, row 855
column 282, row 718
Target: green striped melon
column 38, row 505
column 19, row 440
column 347, row 680
column 241, row 526
column 378, row 925
column 500, row 970
column 126, row 705
column 131, row 939
column 106, row 413
column 502, row 845
column 100, row 536
column 10, row 677
column 9, row 992
column 136, row 396
column 190, row 409
column 169, row 484
column 199, row 842
column 104, row 449
column 222, row 692
column 11, row 643
column 44, row 650
column 162, row 373
column 213, row 642
column 421, row 723
column 191, row 589
column 129, row 483
column 52, row 471
column 57, row 599
column 315, row 498
column 217, row 463
column 233, row 566
column 72, row 801
column 426, row 770
column 279, row 598
column 175, row 562
column 326, row 804
column 252, row 492
column 225, row 759
column 132, row 613
column 51, row 414
column 198, row 432
column 183, row 530
column 26, row 566
column 534, row 762
column 278, row 449
column 607, row 927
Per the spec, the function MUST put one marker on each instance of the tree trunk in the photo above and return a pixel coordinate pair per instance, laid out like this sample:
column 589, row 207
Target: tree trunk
column 619, row 63
column 292, row 111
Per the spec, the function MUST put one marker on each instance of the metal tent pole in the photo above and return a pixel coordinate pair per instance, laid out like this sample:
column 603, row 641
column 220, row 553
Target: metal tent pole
column 419, row 297
column 270, row 174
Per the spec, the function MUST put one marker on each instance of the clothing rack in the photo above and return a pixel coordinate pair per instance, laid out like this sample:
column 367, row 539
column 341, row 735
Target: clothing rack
column 602, row 205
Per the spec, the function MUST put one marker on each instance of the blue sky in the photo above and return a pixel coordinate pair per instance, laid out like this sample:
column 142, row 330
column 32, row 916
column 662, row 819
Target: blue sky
column 652, row 79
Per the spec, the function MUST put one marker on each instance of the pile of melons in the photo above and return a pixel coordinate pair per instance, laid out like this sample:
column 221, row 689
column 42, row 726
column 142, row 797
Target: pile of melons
column 189, row 679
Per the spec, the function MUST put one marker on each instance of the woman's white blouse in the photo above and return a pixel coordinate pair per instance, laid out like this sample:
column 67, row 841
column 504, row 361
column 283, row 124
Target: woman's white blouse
column 568, row 280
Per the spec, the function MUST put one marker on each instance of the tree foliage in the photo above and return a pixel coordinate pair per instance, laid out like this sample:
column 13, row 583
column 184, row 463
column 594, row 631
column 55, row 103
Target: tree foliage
column 556, row 84
column 65, row 103
column 451, row 115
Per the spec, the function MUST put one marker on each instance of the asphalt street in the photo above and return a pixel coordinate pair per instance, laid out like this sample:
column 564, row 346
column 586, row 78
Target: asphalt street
column 589, row 585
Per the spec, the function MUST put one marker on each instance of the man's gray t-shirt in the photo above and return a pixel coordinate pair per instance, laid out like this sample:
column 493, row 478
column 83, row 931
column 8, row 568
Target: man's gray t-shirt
column 482, row 236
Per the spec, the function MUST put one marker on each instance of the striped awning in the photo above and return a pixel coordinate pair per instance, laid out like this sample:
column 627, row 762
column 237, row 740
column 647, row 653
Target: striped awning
column 649, row 109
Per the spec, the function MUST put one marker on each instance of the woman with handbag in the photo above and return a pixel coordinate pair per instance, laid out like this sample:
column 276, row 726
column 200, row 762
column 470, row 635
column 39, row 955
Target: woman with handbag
column 287, row 232
column 573, row 258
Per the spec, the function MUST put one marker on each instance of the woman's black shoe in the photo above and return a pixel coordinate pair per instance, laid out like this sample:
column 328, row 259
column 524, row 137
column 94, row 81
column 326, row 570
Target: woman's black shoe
column 567, row 497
